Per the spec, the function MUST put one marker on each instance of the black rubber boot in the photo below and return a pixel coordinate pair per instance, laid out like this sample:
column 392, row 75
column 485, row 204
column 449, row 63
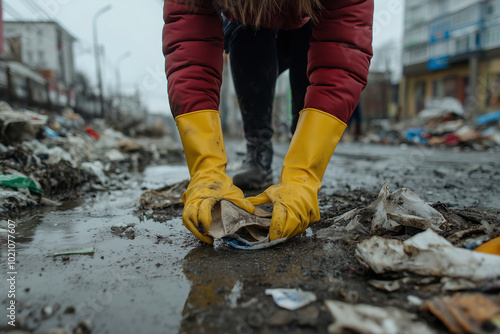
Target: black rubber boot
column 256, row 172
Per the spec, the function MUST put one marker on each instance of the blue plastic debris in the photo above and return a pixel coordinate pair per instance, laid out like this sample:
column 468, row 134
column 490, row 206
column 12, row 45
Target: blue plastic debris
column 415, row 135
column 50, row 133
column 488, row 118
column 291, row 299
column 239, row 243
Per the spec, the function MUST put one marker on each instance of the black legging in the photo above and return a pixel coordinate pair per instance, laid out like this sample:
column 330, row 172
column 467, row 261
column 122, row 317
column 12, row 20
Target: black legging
column 257, row 57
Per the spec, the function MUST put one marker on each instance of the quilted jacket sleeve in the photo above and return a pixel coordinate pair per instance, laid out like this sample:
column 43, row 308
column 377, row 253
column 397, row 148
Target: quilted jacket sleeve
column 339, row 56
column 193, row 46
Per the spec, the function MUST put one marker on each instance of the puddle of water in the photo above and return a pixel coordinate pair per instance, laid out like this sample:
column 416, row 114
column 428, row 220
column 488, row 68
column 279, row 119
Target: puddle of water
column 127, row 286
column 159, row 176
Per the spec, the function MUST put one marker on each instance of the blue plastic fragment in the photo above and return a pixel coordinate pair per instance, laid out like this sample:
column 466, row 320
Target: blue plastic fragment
column 488, row 118
column 414, row 135
column 50, row 133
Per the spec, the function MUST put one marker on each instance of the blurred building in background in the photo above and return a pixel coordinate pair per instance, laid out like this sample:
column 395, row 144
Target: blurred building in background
column 451, row 48
column 379, row 99
column 37, row 69
column 47, row 48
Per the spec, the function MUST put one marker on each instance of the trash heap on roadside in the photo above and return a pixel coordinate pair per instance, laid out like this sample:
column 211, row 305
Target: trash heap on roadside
column 439, row 270
column 404, row 241
column 443, row 123
column 46, row 158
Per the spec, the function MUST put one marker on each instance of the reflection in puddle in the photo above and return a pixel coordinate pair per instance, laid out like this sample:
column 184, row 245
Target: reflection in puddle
column 235, row 294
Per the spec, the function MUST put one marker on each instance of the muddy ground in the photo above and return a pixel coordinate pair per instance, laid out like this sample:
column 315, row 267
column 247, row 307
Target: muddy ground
column 161, row 279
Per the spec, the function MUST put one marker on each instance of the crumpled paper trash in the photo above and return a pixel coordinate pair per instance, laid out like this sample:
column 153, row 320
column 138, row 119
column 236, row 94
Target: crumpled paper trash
column 389, row 212
column 363, row 319
column 241, row 229
column 467, row 313
column 291, row 299
column 165, row 196
column 427, row 254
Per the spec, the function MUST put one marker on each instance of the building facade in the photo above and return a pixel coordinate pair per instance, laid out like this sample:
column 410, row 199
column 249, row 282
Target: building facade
column 451, row 48
column 45, row 47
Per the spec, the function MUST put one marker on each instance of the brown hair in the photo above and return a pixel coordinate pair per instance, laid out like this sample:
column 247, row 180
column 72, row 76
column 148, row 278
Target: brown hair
column 256, row 11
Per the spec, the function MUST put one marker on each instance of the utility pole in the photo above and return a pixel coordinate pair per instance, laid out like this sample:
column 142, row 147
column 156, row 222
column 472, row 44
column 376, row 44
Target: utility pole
column 97, row 53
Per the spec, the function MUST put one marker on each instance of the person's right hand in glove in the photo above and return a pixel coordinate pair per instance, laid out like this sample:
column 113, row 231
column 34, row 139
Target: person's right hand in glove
column 201, row 135
column 295, row 198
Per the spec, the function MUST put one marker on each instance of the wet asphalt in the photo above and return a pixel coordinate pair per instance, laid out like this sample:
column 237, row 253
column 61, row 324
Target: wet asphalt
column 164, row 281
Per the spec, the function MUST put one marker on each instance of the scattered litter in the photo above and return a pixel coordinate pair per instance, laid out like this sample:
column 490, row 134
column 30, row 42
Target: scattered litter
column 467, row 313
column 20, row 182
column 490, row 247
column 389, row 212
column 241, row 229
column 441, row 123
column 51, row 156
column 165, row 196
column 70, row 119
column 92, row 132
column 414, row 300
column 49, row 202
column 363, row 319
column 50, row 133
column 416, row 136
column 84, row 251
column 96, row 168
column 388, row 286
column 115, row 155
column 55, row 150
column 427, row 254
column 291, row 299
column 491, row 117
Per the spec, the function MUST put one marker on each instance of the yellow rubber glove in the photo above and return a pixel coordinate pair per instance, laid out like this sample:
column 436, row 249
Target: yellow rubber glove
column 201, row 135
column 295, row 198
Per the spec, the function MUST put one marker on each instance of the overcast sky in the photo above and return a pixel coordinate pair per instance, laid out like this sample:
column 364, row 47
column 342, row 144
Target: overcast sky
column 135, row 26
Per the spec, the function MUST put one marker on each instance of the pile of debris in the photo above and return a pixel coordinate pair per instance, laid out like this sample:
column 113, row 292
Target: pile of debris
column 47, row 158
column 418, row 254
column 443, row 123
column 404, row 239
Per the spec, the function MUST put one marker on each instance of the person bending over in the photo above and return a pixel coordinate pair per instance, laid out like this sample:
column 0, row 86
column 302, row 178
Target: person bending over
column 338, row 60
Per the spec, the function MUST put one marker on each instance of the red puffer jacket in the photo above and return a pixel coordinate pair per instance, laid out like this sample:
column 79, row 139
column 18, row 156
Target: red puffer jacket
column 339, row 55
